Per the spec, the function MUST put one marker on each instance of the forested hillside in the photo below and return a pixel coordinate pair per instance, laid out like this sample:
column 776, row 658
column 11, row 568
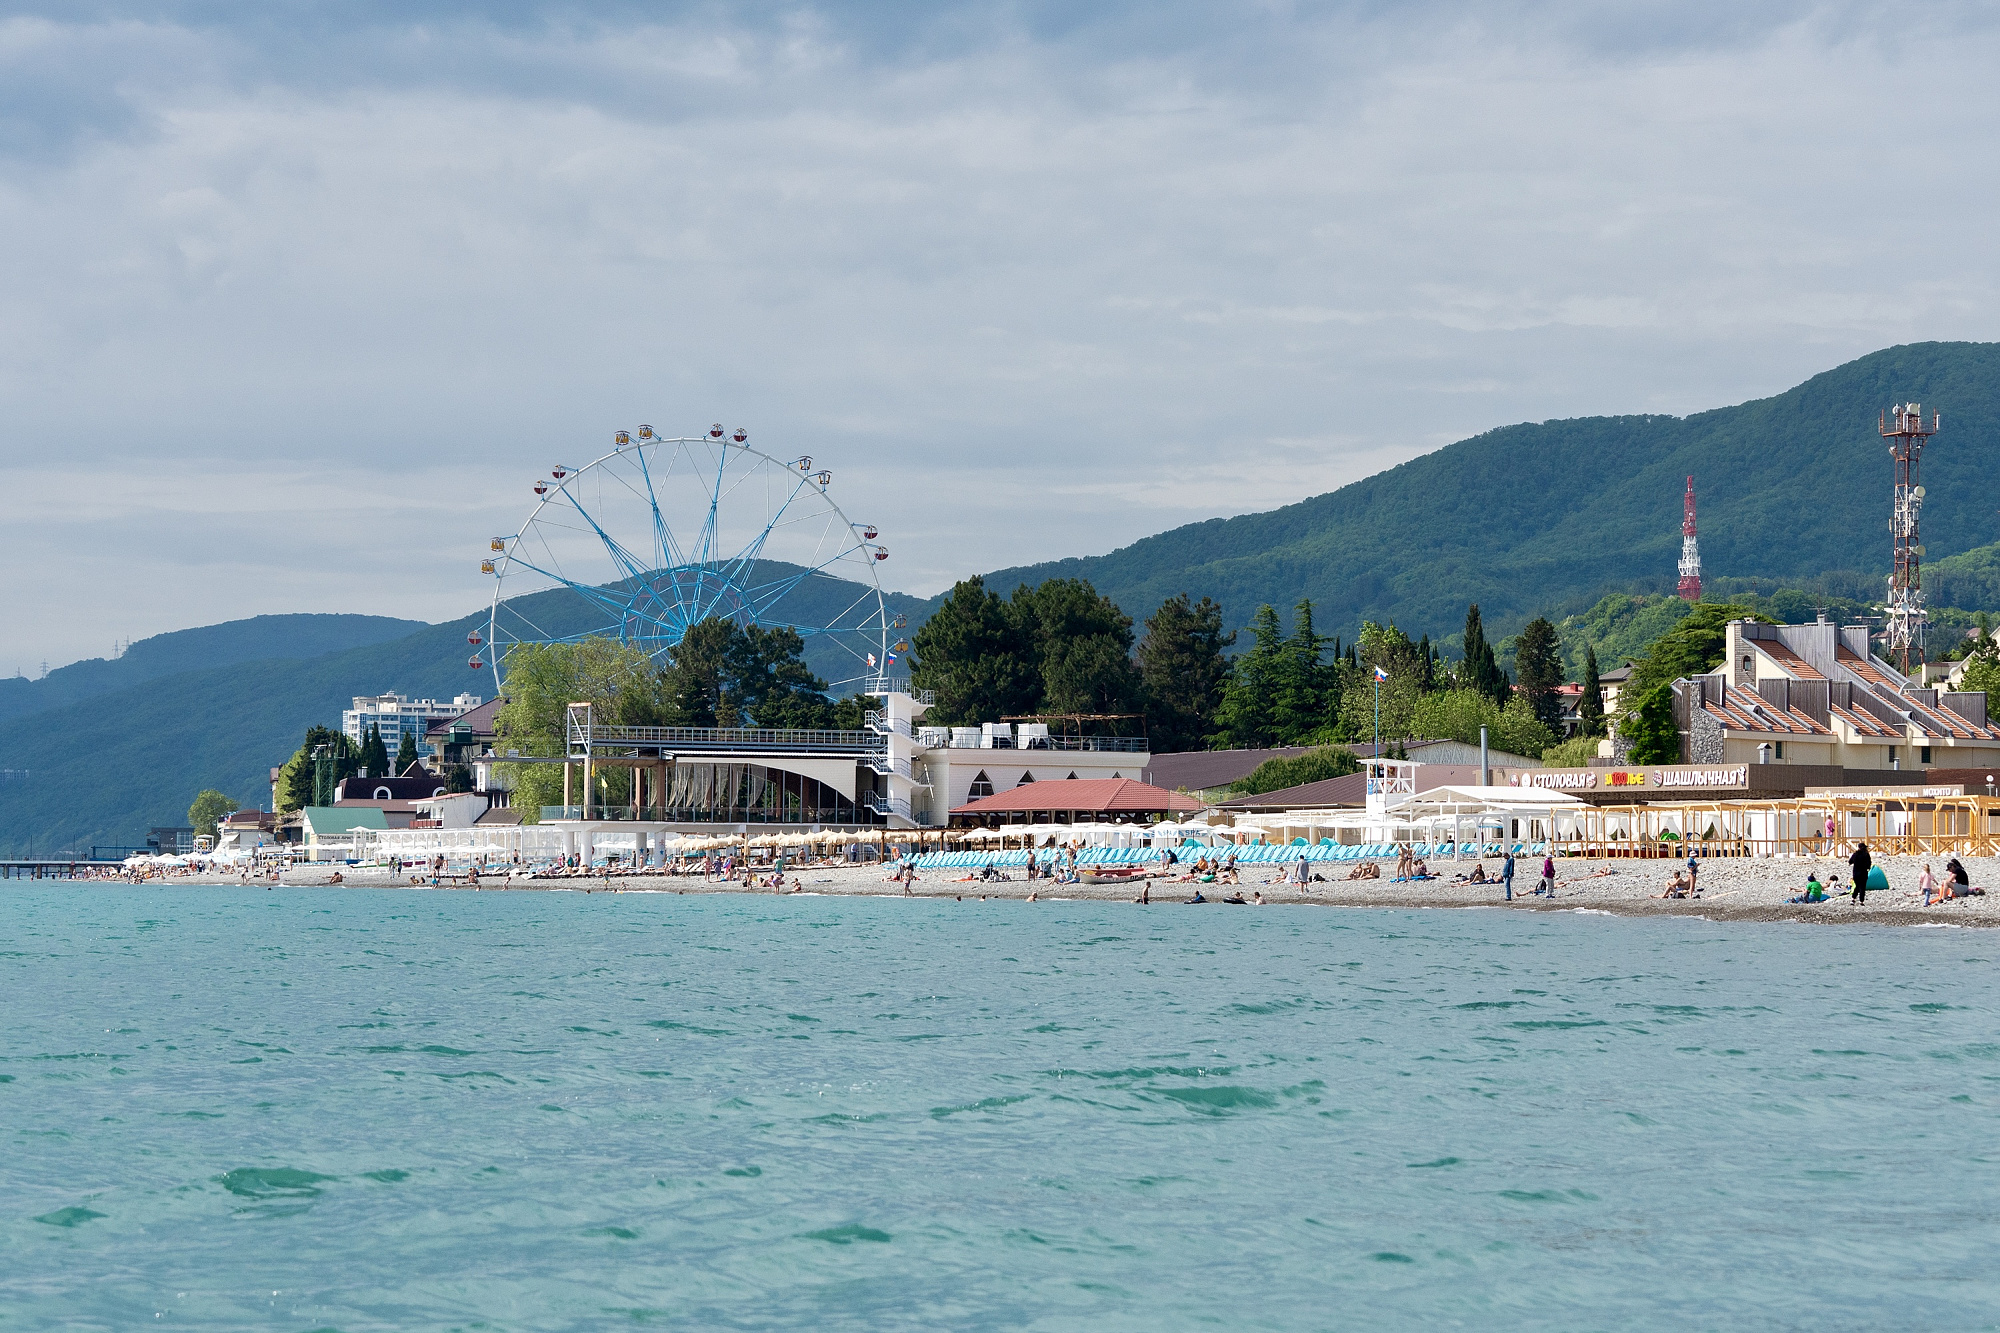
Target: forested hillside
column 1546, row 518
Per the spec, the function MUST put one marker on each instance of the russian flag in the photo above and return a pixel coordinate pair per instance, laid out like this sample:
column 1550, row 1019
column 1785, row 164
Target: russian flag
column 1380, row 674
column 890, row 660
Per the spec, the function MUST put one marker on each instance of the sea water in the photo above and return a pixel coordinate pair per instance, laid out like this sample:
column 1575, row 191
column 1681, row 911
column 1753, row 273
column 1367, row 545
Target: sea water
column 365, row 1109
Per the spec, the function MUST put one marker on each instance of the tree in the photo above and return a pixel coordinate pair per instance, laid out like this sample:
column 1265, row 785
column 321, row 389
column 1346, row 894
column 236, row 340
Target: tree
column 543, row 679
column 1690, row 648
column 1590, row 710
column 1650, row 729
column 1243, row 718
column 1521, row 731
column 1576, row 752
column 1390, row 649
column 1081, row 645
column 406, row 754
column 1538, row 671
column 1455, row 714
column 1182, row 669
column 1480, row 670
column 375, row 754
column 1982, row 672
column 698, row 685
column 1328, row 761
column 975, row 655
column 774, row 684
column 208, row 810
column 306, row 779
column 1301, row 707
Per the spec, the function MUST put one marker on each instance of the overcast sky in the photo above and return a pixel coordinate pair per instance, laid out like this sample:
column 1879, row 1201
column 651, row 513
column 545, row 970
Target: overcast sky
column 296, row 306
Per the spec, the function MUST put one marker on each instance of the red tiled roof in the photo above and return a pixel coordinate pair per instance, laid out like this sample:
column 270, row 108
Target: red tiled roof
column 1094, row 795
column 1864, row 721
column 1862, row 668
column 1791, row 661
column 1742, row 710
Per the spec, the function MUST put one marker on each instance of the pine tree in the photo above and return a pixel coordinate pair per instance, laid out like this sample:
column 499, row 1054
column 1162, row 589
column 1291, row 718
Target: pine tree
column 1182, row 666
column 1300, row 706
column 406, row 754
column 1590, row 711
column 975, row 652
column 1538, row 667
column 1243, row 720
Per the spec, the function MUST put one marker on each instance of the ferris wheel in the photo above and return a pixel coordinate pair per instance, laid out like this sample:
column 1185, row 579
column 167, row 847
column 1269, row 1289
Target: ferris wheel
column 660, row 534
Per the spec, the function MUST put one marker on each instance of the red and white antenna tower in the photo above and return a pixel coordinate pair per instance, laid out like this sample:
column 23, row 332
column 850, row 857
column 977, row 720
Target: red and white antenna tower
column 1690, row 588
column 1903, row 426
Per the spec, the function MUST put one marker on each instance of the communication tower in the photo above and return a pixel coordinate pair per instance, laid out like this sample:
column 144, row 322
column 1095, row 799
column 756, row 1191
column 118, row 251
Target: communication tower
column 1904, row 428
column 1690, row 588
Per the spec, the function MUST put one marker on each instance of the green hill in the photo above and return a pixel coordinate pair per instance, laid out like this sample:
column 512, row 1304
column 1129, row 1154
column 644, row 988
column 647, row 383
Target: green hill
column 192, row 649
column 1547, row 518
column 103, row 764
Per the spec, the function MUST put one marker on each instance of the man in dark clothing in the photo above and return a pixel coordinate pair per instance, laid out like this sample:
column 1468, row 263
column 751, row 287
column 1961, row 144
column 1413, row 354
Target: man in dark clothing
column 1861, row 863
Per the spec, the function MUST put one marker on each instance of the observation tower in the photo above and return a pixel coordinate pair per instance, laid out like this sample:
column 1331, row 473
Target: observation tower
column 1690, row 586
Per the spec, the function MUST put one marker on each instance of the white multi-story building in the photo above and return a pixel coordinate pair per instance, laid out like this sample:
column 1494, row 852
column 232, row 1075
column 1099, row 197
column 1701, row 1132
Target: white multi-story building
column 398, row 716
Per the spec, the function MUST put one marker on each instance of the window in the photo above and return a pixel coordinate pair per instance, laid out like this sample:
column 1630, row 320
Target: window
column 1072, row 777
column 1026, row 778
column 1749, row 666
column 1925, row 754
column 1778, row 750
column 981, row 786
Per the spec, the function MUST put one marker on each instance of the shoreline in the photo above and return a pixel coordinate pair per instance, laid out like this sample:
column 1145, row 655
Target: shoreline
column 1733, row 890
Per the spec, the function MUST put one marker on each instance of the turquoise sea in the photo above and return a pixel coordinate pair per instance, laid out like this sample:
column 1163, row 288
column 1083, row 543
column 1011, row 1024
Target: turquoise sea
column 365, row 1109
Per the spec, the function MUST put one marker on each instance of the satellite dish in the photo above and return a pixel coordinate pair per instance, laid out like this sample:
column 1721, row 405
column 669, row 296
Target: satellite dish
column 1918, row 492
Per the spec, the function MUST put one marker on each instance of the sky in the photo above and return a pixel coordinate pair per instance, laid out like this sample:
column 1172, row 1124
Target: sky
column 296, row 301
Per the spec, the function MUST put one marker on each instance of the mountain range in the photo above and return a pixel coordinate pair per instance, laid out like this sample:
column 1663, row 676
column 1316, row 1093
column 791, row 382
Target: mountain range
column 1544, row 519
column 1525, row 519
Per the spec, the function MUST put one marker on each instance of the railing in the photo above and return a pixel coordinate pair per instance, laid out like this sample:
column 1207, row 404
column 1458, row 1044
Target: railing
column 1112, row 744
column 896, row 685
column 883, row 764
column 885, row 805
column 724, row 738
column 886, row 725
column 613, row 814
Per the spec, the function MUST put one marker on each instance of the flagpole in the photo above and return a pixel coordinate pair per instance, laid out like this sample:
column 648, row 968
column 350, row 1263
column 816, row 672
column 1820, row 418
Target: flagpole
column 1378, row 714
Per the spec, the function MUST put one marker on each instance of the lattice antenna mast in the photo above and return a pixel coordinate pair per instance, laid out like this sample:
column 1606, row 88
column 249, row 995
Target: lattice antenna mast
column 1690, row 587
column 1904, row 428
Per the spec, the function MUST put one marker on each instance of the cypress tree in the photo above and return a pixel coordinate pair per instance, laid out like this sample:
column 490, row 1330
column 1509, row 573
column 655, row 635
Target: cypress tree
column 1590, row 711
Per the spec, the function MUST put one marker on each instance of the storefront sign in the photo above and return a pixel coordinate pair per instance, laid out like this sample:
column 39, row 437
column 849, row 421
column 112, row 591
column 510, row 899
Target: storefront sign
column 1681, row 776
column 1705, row 777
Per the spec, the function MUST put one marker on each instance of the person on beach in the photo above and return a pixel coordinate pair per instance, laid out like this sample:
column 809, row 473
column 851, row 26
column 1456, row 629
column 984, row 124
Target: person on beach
column 1860, row 863
column 1548, row 874
column 1927, row 885
column 1301, row 876
column 1814, row 892
column 1257, row 898
column 1694, row 873
column 1507, row 875
column 1677, row 887
column 1957, row 883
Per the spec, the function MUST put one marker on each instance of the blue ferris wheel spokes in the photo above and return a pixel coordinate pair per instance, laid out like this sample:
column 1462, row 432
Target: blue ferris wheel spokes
column 646, row 541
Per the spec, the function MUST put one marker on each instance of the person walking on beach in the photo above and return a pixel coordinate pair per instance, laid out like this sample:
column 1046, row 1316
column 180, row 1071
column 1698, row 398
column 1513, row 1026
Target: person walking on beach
column 1300, row 875
column 1694, row 869
column 1507, row 876
column 1549, row 874
column 1861, row 863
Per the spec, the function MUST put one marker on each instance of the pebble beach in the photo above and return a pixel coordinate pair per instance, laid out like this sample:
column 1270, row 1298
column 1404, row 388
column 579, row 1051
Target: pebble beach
column 1733, row 889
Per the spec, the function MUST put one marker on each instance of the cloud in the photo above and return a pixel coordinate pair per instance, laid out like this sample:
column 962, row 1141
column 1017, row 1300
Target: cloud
column 1035, row 280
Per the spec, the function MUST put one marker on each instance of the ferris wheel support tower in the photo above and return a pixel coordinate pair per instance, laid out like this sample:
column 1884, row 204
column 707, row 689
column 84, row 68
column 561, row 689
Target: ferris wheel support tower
column 1904, row 428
